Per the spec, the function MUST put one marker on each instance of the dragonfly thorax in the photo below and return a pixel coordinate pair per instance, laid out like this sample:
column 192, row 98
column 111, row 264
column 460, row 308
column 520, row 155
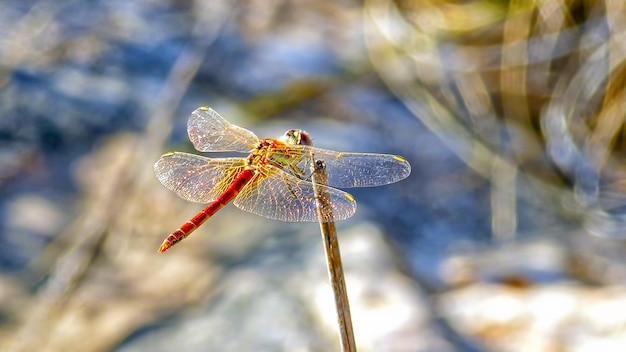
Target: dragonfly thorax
column 271, row 151
column 274, row 150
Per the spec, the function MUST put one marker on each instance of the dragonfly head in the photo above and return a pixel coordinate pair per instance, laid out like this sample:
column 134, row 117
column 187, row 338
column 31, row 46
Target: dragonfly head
column 296, row 137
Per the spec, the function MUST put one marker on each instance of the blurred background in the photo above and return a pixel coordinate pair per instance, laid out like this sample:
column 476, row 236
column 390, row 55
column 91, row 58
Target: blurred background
column 507, row 236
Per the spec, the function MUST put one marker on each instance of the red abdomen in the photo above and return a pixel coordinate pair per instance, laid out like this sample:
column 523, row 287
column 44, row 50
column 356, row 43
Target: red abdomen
column 187, row 228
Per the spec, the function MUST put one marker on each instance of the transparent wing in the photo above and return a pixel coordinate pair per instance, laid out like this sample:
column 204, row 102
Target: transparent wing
column 196, row 178
column 280, row 196
column 210, row 132
column 346, row 170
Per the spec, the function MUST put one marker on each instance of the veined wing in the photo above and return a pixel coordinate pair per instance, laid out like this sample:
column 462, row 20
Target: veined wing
column 210, row 132
column 196, row 178
column 277, row 195
column 347, row 170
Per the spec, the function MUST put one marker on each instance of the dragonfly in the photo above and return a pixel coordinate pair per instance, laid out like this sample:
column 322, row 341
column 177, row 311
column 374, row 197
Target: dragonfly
column 273, row 181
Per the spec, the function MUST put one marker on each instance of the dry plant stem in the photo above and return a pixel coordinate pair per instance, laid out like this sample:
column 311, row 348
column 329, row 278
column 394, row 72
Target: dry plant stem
column 333, row 258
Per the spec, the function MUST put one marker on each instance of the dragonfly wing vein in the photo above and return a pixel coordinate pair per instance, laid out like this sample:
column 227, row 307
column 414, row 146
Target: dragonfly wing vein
column 347, row 170
column 196, row 178
column 280, row 196
column 210, row 132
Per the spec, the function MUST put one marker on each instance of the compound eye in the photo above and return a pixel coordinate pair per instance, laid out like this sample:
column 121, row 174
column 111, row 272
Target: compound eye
column 304, row 138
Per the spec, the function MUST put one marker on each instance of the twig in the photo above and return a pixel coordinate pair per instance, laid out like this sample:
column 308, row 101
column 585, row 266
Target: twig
column 333, row 257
